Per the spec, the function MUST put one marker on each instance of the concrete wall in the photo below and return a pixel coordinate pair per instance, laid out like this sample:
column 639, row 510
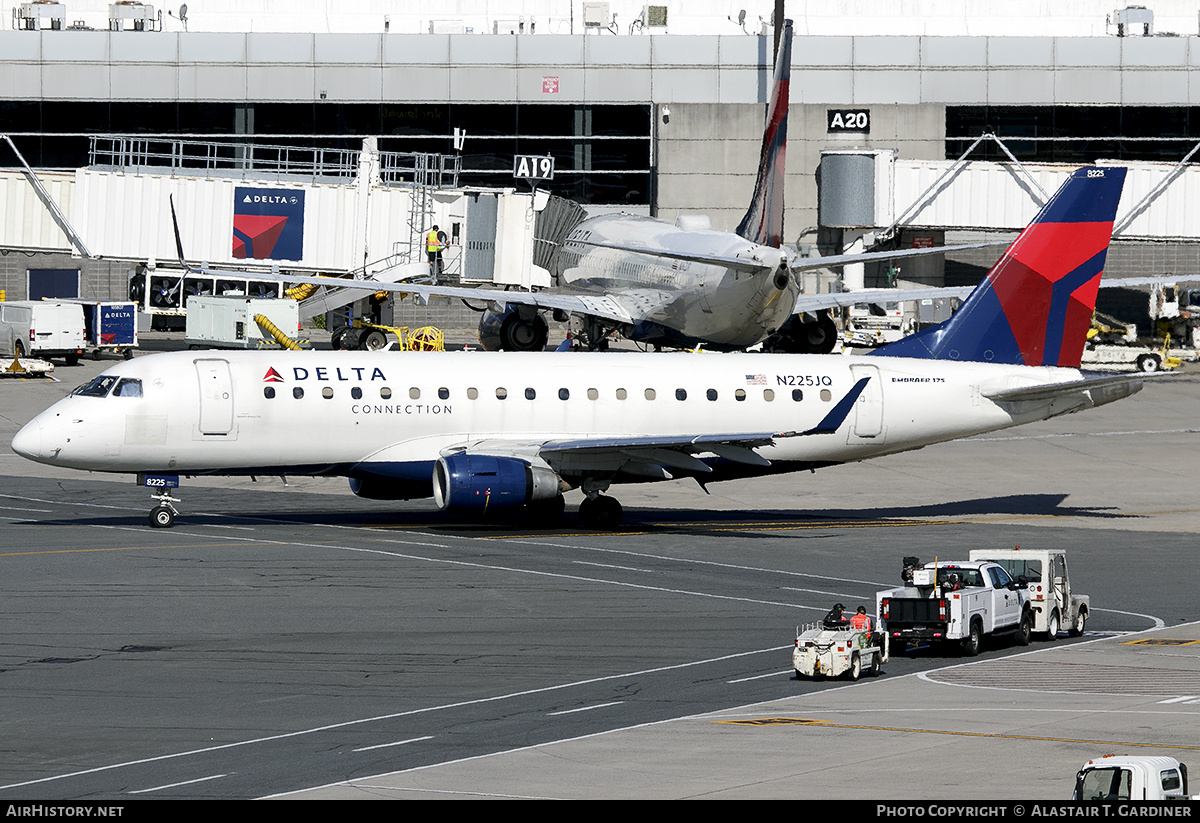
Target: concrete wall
column 708, row 155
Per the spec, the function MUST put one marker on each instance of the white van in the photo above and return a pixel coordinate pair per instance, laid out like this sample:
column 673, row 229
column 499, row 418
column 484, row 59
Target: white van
column 42, row 328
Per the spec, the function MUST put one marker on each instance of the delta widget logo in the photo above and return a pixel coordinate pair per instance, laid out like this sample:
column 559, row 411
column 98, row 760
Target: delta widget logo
column 268, row 224
column 272, row 376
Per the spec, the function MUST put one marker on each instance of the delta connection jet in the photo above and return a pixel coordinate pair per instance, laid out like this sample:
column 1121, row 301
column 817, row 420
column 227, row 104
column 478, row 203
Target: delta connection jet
column 483, row 432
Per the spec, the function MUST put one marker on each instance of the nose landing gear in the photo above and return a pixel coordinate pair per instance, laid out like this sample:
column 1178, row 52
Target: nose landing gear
column 163, row 515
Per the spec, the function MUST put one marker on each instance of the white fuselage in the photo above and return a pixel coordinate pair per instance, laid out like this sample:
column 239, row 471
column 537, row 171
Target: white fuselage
column 678, row 300
column 338, row 412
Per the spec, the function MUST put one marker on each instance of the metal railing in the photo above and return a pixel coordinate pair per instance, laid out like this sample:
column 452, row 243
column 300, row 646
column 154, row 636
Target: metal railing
column 128, row 152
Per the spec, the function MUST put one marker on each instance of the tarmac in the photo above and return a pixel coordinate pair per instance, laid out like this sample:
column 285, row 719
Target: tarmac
column 298, row 642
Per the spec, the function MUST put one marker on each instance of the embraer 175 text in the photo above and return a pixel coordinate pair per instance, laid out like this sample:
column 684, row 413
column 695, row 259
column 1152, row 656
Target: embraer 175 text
column 484, row 432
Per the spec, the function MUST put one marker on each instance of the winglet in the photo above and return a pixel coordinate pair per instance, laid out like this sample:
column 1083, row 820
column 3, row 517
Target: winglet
column 1035, row 305
column 763, row 223
column 837, row 415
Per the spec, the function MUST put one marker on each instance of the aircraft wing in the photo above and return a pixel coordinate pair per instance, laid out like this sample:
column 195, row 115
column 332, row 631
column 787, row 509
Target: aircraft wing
column 656, row 455
column 598, row 306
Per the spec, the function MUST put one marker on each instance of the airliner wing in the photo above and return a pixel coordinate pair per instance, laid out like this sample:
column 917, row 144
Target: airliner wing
column 597, row 306
column 656, row 455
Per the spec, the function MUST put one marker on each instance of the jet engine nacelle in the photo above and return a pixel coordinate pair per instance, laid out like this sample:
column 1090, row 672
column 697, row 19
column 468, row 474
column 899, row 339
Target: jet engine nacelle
column 475, row 482
column 517, row 328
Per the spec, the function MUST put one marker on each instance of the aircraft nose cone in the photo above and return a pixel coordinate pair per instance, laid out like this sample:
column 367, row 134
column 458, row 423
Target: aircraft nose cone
column 28, row 441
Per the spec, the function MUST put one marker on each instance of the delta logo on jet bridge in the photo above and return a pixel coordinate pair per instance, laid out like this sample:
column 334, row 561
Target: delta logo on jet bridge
column 268, row 224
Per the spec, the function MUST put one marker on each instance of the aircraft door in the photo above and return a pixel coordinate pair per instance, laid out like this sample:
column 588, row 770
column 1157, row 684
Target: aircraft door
column 216, row 397
column 868, row 427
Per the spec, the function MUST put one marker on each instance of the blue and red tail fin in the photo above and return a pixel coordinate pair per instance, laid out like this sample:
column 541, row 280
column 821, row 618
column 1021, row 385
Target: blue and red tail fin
column 1035, row 306
column 763, row 223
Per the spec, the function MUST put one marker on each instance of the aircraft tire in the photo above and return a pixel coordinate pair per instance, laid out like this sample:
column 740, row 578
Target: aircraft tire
column 601, row 512
column 373, row 340
column 161, row 517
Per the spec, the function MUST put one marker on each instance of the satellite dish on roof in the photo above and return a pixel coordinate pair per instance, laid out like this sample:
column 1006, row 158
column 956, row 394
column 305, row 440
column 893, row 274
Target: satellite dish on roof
column 183, row 13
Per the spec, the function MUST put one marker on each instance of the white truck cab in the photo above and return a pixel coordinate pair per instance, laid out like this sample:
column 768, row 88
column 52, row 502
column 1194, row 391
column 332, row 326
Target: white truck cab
column 1045, row 575
column 964, row 601
column 1120, row 777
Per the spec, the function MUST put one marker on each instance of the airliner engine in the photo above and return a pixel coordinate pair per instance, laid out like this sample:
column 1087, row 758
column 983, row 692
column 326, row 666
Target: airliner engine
column 477, row 482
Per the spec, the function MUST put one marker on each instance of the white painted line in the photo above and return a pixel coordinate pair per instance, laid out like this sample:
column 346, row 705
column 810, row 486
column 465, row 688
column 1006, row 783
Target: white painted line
column 184, row 783
column 760, row 677
column 1187, row 697
column 397, row 743
column 411, row 713
column 586, row 708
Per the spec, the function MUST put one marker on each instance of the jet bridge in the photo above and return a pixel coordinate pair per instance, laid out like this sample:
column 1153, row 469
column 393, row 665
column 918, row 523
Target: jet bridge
column 250, row 208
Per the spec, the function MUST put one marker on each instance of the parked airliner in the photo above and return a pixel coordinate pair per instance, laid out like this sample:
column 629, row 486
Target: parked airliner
column 678, row 284
column 484, row 432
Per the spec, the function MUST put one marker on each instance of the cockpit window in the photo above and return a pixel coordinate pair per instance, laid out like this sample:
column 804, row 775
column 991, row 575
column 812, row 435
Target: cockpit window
column 98, row 387
column 128, row 387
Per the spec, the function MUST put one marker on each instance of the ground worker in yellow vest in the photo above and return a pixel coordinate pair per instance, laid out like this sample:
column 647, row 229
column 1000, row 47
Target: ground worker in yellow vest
column 433, row 247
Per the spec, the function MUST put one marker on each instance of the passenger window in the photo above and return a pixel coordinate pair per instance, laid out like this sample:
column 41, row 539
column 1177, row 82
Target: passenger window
column 797, row 395
column 501, row 394
column 826, row 395
column 739, row 395
column 414, row 393
column 622, row 394
column 712, row 394
column 768, row 395
column 327, row 393
column 593, row 394
column 443, row 394
column 650, row 394
column 298, row 393
column 385, row 393
column 269, row 392
column 530, row 394
column 563, row 394
column 356, row 393
column 681, row 394
column 472, row 394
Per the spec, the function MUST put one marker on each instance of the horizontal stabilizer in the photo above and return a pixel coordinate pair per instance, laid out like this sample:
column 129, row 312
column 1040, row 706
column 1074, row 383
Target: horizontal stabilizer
column 1051, row 391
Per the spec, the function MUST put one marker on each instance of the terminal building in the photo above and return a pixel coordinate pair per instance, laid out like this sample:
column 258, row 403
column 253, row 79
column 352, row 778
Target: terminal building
column 656, row 109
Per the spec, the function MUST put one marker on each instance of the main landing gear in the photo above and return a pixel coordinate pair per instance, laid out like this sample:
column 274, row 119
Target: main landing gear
column 596, row 512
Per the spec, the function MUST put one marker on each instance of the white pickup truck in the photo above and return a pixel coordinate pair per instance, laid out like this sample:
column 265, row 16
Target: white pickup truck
column 1119, row 777
column 960, row 601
